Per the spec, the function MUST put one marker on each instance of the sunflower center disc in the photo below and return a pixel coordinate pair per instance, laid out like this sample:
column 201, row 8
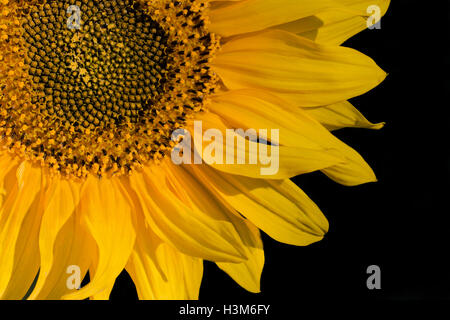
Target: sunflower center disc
column 106, row 70
column 99, row 86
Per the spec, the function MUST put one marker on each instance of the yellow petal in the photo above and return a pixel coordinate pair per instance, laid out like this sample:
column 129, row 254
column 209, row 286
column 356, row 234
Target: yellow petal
column 258, row 109
column 246, row 109
column 23, row 188
column 107, row 215
column 73, row 247
column 103, row 295
column 293, row 160
column 352, row 169
column 62, row 199
column 334, row 26
column 248, row 274
column 7, row 163
column 106, row 292
column 254, row 15
column 161, row 272
column 26, row 256
column 341, row 115
column 295, row 68
column 279, row 208
column 177, row 221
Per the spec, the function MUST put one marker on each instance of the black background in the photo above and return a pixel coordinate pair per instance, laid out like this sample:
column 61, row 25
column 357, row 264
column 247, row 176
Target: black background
column 400, row 223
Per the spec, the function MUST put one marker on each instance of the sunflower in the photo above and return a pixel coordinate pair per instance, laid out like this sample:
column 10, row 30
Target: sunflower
column 90, row 95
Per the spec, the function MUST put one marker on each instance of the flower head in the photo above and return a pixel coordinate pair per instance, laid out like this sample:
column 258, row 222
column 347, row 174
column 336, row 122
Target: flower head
column 91, row 93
